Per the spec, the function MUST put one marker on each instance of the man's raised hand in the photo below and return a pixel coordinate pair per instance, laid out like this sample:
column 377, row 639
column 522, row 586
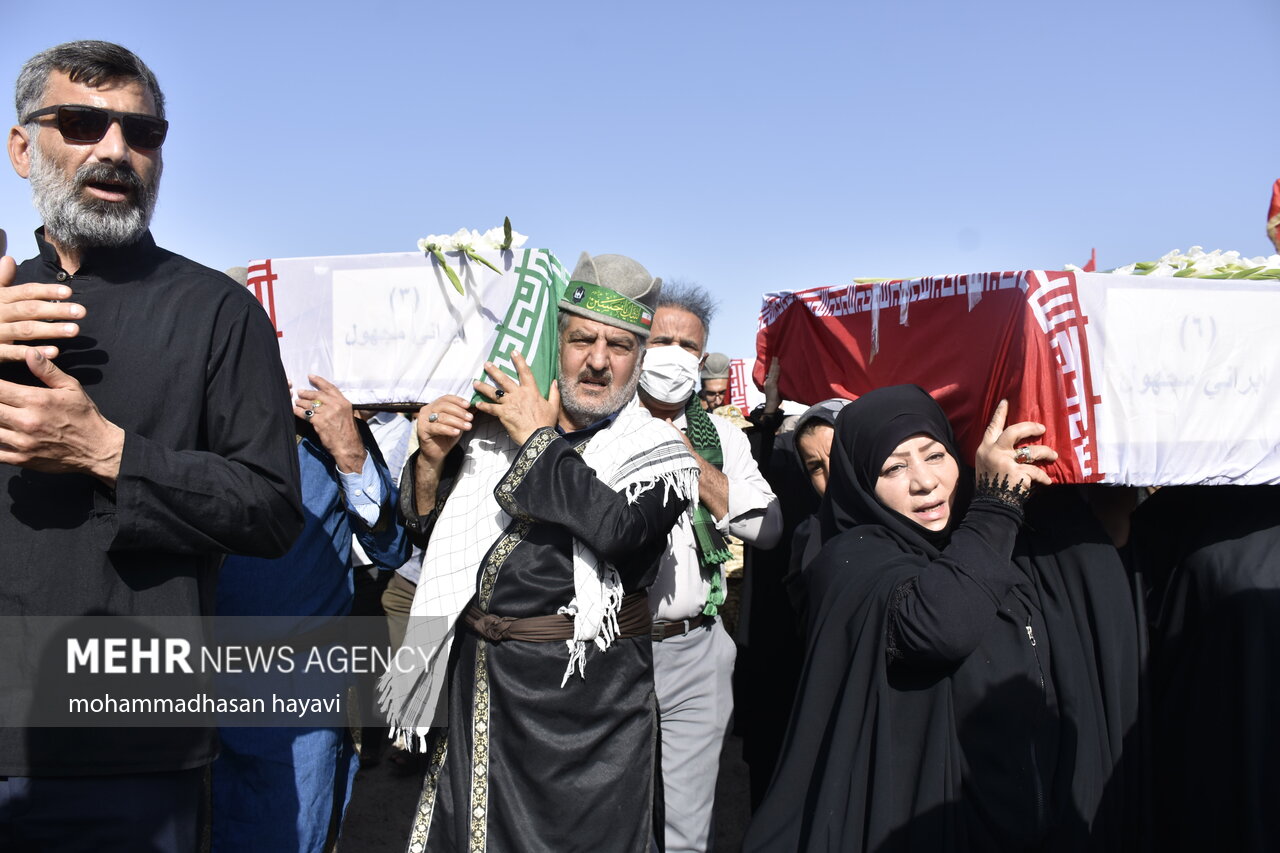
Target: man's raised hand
column 334, row 424
column 33, row 312
column 518, row 403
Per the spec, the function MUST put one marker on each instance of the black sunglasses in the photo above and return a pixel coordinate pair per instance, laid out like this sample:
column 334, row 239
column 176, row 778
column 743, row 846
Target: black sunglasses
column 80, row 123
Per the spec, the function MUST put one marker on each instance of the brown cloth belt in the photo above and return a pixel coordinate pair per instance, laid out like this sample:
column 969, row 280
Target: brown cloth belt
column 666, row 630
column 634, row 620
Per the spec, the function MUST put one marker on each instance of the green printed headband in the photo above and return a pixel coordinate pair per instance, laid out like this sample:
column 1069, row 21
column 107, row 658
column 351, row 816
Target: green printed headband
column 607, row 306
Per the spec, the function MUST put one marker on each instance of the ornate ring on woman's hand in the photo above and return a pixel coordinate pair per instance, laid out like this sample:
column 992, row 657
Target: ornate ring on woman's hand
column 1023, row 456
column 433, row 417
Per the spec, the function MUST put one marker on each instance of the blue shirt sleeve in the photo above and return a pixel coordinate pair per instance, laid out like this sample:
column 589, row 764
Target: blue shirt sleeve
column 371, row 498
column 363, row 491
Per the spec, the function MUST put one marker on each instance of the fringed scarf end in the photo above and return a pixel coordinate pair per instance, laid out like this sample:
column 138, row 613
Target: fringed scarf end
column 577, row 659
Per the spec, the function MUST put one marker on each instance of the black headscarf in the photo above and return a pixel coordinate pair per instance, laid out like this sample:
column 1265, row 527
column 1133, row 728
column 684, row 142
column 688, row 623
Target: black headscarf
column 867, row 431
column 826, row 413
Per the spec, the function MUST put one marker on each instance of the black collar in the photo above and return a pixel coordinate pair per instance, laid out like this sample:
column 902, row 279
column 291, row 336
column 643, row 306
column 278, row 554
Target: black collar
column 592, row 429
column 100, row 261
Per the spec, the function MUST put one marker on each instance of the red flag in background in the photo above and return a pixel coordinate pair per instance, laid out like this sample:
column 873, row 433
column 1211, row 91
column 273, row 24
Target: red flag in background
column 1273, row 216
column 1092, row 266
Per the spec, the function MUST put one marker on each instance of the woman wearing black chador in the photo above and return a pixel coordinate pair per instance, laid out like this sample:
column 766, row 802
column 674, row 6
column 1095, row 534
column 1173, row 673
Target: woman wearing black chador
column 966, row 688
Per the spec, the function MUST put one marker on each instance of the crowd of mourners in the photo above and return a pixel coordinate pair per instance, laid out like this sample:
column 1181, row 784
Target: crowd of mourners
column 931, row 651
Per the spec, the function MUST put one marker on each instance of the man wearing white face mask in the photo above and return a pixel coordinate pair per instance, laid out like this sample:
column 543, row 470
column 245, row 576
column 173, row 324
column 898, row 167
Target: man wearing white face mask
column 692, row 653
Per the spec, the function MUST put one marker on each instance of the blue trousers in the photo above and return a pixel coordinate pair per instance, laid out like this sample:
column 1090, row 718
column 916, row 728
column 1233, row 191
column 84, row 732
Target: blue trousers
column 276, row 790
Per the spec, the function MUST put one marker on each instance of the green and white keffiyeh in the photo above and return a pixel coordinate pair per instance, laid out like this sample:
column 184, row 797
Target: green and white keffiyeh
column 713, row 549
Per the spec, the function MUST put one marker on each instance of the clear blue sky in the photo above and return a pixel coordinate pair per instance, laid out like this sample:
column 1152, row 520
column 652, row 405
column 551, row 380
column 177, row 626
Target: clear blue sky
column 749, row 147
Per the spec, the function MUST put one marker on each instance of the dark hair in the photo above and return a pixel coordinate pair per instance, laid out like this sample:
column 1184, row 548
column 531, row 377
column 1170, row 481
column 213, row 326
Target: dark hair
column 811, row 425
column 89, row 63
column 689, row 297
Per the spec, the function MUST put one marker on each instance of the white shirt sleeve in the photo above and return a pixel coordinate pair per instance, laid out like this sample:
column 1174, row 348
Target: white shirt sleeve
column 754, row 515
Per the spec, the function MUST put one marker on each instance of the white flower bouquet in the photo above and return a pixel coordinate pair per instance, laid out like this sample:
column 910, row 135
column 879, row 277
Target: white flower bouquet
column 1197, row 263
column 467, row 242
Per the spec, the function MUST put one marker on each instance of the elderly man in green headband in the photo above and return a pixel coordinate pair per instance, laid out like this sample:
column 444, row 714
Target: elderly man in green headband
column 543, row 522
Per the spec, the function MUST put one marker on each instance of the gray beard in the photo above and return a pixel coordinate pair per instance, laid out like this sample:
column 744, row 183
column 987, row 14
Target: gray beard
column 74, row 223
column 582, row 413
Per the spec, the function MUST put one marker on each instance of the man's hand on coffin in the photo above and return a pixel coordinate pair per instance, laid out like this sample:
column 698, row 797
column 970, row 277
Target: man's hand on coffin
column 440, row 425
column 518, row 403
column 330, row 415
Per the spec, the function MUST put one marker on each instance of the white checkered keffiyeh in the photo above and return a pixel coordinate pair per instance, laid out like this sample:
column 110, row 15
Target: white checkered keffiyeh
column 635, row 453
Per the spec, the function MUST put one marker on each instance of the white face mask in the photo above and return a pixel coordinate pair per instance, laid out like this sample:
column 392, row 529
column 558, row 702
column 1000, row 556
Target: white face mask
column 669, row 374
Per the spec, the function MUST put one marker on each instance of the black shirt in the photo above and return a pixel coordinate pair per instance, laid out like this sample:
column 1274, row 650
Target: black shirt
column 186, row 362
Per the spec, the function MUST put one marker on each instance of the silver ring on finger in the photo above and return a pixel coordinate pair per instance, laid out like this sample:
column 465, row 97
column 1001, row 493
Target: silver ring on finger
column 309, row 414
column 433, row 417
column 1023, row 456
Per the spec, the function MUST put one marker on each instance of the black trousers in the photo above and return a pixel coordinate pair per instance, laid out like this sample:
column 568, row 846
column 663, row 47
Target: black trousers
column 134, row 813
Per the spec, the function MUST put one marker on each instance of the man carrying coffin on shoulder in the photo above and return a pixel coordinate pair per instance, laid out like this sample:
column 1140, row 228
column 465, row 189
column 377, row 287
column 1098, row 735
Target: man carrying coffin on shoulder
column 543, row 522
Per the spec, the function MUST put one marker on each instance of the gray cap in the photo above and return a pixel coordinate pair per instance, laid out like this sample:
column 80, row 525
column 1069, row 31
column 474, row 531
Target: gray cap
column 239, row 274
column 825, row 412
column 615, row 290
column 716, row 366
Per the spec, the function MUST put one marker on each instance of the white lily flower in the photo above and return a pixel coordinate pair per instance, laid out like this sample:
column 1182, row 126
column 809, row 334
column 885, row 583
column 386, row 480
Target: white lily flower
column 1261, row 261
column 494, row 237
column 462, row 238
column 1196, row 262
column 1204, row 263
column 467, row 238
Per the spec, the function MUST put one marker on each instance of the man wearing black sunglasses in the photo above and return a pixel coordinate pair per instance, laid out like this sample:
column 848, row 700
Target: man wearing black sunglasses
column 160, row 440
column 95, row 174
